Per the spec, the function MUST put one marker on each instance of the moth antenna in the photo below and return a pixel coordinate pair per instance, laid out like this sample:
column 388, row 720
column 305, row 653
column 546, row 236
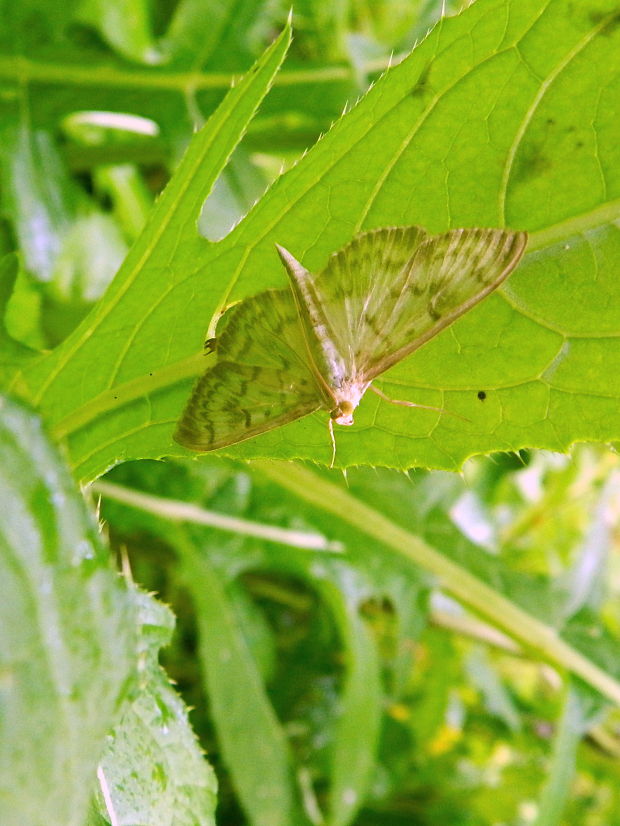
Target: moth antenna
column 330, row 427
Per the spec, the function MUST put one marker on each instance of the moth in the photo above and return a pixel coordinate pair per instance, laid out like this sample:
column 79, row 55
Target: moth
column 284, row 354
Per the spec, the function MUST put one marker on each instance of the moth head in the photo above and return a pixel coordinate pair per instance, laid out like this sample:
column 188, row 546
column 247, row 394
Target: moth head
column 343, row 414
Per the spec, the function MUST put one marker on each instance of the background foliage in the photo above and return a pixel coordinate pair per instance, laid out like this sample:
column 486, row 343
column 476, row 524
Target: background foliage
column 388, row 647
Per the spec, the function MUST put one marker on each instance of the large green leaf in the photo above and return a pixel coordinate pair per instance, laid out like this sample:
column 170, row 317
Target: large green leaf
column 504, row 115
column 153, row 770
column 67, row 642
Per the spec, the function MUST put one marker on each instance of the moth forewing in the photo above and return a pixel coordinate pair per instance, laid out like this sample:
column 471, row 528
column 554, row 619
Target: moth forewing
column 460, row 268
column 234, row 402
column 261, row 379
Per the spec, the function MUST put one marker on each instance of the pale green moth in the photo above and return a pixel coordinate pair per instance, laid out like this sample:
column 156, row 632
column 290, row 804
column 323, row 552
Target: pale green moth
column 286, row 353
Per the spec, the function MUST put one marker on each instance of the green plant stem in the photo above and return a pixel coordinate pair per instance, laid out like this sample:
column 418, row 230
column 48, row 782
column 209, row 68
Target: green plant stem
column 22, row 69
column 177, row 511
column 475, row 629
column 538, row 638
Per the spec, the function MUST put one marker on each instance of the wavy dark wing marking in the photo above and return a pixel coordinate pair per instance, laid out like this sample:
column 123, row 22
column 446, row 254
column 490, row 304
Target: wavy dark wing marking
column 261, row 379
column 449, row 274
column 233, row 402
column 390, row 291
column 262, row 330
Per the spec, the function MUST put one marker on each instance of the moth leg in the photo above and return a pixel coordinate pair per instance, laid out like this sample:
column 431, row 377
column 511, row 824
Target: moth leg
column 413, row 404
column 385, row 398
column 330, row 427
column 210, row 346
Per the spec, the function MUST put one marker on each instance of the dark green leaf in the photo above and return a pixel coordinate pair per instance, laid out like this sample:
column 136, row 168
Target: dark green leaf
column 67, row 634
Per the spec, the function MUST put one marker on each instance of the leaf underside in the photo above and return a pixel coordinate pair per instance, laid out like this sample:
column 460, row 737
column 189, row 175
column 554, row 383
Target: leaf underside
column 505, row 115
